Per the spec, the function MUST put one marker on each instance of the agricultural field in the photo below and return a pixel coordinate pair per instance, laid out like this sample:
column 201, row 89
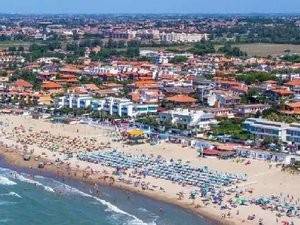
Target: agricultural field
column 264, row 50
column 6, row 44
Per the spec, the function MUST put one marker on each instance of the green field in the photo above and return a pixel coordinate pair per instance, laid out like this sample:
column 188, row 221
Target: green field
column 263, row 50
column 6, row 44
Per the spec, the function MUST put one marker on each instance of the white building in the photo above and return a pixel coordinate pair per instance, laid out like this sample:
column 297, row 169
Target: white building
column 188, row 118
column 114, row 106
column 123, row 107
column 289, row 133
column 74, row 101
column 182, row 37
column 265, row 128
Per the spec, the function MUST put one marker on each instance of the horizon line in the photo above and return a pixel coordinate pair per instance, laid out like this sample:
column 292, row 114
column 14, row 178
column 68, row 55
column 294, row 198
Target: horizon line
column 154, row 13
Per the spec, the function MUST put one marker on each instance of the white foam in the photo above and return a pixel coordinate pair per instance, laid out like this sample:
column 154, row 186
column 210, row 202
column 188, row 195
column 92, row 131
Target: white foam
column 6, row 181
column 14, row 194
column 30, row 181
column 110, row 207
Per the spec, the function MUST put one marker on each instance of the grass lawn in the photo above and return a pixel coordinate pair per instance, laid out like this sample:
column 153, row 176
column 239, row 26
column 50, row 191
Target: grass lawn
column 263, row 50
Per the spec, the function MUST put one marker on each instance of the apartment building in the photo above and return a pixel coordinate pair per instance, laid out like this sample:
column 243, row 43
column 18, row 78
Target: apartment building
column 73, row 101
column 114, row 106
column 123, row 107
column 182, row 37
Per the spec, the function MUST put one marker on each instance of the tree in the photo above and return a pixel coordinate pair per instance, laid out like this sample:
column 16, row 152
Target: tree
column 254, row 77
column 228, row 50
column 132, row 52
column 12, row 49
column 202, row 48
column 179, row 59
column 28, row 76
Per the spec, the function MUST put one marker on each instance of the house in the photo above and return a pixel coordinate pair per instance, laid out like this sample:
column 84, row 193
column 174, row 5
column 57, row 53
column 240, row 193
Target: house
column 45, row 100
column 244, row 110
column 294, row 86
column 203, row 91
column 237, row 87
column 278, row 92
column 67, row 79
column 222, row 99
column 292, row 108
column 51, row 86
column 188, row 118
column 92, row 88
column 21, row 84
column 182, row 99
column 146, row 96
column 221, row 112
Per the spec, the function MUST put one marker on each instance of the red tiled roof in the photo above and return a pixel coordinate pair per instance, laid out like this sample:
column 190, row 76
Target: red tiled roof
column 182, row 99
column 91, row 87
column 282, row 91
column 293, row 104
column 48, row 85
column 23, row 83
column 295, row 82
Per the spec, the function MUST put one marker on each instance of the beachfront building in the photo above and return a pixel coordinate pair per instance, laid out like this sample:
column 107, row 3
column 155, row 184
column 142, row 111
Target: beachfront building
column 113, row 106
column 293, row 134
column 262, row 128
column 73, row 101
column 123, row 107
column 289, row 133
column 188, row 118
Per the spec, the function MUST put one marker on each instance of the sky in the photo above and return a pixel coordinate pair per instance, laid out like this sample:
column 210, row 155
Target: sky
column 149, row 6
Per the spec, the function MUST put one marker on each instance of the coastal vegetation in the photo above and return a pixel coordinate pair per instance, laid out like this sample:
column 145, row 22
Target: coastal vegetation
column 231, row 127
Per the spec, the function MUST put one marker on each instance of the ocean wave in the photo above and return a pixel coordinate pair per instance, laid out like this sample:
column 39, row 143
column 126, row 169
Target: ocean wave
column 16, row 176
column 110, row 207
column 6, row 181
column 133, row 220
column 30, row 181
column 14, row 194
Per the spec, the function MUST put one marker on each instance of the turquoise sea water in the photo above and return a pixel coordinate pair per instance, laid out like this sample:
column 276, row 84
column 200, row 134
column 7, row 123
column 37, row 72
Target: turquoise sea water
column 46, row 200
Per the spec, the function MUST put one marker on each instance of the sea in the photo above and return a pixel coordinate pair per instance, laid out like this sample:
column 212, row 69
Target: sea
column 31, row 197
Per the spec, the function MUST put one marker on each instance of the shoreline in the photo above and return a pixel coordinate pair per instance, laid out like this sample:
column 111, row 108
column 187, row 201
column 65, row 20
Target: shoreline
column 16, row 160
column 59, row 148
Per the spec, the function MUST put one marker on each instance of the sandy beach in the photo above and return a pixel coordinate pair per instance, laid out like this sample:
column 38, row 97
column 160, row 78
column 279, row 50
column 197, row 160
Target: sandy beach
column 53, row 143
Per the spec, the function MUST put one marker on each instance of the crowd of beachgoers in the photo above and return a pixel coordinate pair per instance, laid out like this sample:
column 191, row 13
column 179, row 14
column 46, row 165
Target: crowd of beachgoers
column 231, row 190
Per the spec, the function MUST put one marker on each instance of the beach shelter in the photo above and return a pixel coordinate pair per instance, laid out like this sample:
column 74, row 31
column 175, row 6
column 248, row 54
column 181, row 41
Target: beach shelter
column 135, row 133
column 210, row 152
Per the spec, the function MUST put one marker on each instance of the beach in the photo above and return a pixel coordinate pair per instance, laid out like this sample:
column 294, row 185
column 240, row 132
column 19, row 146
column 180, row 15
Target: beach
column 52, row 144
column 32, row 196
